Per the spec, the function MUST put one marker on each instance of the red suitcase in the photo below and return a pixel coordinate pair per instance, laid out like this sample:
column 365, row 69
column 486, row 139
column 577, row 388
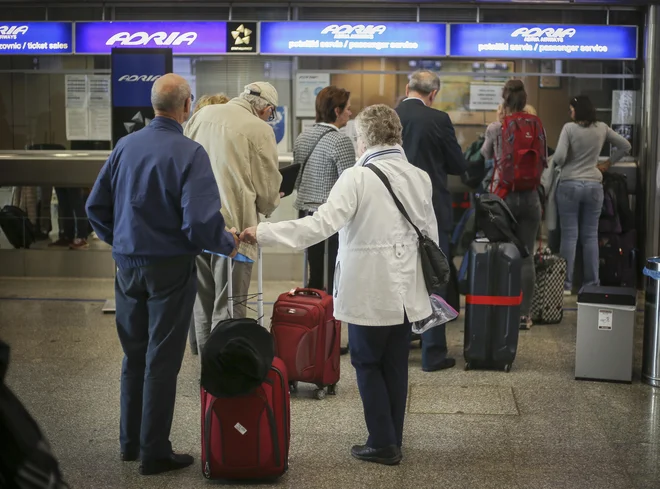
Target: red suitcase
column 247, row 437
column 307, row 338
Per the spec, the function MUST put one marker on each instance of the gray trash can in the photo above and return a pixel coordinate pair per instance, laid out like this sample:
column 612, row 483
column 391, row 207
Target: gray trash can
column 651, row 358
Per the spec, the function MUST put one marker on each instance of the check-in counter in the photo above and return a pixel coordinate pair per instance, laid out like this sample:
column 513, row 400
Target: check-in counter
column 80, row 169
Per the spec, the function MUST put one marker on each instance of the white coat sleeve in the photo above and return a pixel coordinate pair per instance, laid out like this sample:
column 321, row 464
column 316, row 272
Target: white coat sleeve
column 330, row 218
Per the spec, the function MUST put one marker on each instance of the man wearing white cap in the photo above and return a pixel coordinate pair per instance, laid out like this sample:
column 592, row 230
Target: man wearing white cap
column 243, row 152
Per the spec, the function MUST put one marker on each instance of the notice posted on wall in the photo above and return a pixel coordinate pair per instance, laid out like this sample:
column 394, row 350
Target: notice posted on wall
column 485, row 96
column 88, row 108
column 308, row 86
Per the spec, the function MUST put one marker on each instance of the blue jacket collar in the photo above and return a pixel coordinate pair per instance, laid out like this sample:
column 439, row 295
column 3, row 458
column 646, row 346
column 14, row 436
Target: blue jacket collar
column 166, row 123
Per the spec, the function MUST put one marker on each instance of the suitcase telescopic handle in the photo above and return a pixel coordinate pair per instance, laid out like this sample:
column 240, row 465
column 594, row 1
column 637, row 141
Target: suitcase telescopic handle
column 305, row 291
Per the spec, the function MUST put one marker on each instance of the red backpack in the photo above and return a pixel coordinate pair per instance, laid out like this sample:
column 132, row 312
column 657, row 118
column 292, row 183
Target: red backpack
column 524, row 154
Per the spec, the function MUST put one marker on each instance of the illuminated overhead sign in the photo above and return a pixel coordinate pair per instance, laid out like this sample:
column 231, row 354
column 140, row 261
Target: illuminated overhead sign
column 185, row 38
column 531, row 41
column 36, row 38
column 354, row 39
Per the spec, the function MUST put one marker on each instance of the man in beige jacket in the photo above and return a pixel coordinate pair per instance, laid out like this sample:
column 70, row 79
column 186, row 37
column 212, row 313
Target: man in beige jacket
column 243, row 152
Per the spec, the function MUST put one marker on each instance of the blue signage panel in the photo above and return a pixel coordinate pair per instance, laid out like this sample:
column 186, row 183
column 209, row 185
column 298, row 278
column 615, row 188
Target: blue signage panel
column 36, row 38
column 133, row 74
column 532, row 41
column 183, row 37
column 355, row 39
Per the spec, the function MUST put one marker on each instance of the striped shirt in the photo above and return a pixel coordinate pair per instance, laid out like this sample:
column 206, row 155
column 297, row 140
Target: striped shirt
column 333, row 154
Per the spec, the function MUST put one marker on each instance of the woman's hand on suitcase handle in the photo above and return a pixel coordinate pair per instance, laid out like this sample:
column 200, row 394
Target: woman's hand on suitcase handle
column 249, row 235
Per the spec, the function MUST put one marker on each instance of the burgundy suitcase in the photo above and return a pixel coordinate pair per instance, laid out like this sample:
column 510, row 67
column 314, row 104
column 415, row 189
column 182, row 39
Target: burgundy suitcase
column 307, row 338
column 247, row 437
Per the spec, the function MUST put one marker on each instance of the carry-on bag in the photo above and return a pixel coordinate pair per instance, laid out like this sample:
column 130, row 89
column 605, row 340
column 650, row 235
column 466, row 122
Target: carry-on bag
column 247, row 437
column 548, row 299
column 307, row 335
column 17, row 227
column 245, row 412
column 492, row 305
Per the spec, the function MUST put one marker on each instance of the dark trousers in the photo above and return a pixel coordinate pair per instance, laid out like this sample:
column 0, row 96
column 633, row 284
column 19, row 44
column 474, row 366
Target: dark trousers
column 154, row 307
column 434, row 341
column 380, row 357
column 315, row 257
column 71, row 212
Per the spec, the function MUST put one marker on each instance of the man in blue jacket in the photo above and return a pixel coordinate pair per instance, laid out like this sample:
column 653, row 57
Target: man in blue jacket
column 429, row 141
column 156, row 202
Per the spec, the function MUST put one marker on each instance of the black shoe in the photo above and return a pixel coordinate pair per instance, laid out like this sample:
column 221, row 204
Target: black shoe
column 174, row 462
column 194, row 350
column 386, row 456
column 343, row 350
column 445, row 364
column 129, row 456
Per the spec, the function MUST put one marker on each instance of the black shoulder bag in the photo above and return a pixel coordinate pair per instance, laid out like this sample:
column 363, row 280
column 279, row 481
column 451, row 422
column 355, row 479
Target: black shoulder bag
column 435, row 265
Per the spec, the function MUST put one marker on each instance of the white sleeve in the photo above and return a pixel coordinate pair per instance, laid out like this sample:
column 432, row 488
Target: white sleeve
column 330, row 218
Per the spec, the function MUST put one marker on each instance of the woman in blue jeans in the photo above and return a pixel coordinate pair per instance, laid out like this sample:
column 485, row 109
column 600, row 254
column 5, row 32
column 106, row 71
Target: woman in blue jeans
column 580, row 190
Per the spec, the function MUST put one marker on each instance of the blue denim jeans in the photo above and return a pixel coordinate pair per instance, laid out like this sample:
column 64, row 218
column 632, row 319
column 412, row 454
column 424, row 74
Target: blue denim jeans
column 579, row 204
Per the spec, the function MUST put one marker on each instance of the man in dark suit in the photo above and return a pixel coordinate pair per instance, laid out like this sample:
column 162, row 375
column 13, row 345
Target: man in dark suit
column 430, row 144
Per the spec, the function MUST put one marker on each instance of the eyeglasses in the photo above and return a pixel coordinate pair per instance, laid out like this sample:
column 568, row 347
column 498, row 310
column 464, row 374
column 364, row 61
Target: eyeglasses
column 273, row 113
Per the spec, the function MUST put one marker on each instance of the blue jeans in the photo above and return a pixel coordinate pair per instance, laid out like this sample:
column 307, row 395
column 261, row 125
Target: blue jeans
column 434, row 341
column 380, row 357
column 154, row 307
column 579, row 204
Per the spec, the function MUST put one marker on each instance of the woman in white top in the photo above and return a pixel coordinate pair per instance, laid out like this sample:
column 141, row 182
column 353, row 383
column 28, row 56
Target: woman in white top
column 379, row 286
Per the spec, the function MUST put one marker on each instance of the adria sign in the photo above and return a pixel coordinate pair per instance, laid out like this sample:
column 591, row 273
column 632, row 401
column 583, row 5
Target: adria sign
column 36, row 38
column 185, row 38
column 12, row 31
column 138, row 78
column 158, row 38
column 359, row 31
column 545, row 34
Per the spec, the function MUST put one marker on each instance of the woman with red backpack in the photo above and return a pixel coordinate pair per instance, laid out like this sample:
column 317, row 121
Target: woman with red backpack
column 518, row 145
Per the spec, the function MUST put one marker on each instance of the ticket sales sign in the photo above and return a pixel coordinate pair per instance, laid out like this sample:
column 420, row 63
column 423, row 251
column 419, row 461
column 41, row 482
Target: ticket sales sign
column 531, row 41
column 354, row 39
column 36, row 38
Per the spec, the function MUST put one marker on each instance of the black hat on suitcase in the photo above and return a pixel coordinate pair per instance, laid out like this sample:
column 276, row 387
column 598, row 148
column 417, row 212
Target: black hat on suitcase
column 236, row 358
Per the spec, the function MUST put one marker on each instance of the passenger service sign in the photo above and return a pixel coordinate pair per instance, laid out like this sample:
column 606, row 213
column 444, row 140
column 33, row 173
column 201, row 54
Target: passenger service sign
column 532, row 41
column 36, row 38
column 353, row 39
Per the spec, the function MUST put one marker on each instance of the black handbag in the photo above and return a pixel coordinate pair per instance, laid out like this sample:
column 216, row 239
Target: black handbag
column 435, row 265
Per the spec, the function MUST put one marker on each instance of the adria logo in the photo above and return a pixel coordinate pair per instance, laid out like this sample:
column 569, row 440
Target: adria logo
column 547, row 34
column 12, row 31
column 158, row 38
column 139, row 78
column 359, row 31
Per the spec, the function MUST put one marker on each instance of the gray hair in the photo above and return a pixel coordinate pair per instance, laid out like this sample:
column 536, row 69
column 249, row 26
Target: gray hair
column 169, row 97
column 258, row 103
column 379, row 125
column 424, row 82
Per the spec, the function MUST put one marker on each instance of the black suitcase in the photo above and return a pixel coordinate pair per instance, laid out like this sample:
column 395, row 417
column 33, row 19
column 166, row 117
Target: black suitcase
column 16, row 226
column 492, row 306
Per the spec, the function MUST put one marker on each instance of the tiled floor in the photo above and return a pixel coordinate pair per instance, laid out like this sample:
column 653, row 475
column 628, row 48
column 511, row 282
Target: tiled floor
column 534, row 427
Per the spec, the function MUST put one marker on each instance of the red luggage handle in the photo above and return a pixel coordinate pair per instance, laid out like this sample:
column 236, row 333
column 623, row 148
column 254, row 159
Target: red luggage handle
column 305, row 291
column 493, row 300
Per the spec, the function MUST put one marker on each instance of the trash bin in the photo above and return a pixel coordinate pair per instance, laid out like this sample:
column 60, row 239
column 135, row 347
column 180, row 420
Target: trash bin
column 651, row 358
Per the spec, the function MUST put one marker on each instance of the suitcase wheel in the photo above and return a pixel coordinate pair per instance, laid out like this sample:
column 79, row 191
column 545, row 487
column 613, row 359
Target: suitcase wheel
column 332, row 390
column 319, row 394
column 467, row 366
column 293, row 387
column 507, row 368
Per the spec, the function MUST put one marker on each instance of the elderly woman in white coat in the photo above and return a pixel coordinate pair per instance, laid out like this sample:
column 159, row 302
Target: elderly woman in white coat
column 379, row 286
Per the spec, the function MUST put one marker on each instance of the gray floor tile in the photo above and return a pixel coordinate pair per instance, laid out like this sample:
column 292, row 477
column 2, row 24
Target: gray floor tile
column 640, row 458
column 621, row 428
column 565, row 479
column 489, row 400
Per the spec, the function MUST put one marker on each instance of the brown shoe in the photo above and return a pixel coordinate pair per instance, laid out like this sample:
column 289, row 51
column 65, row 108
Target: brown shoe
column 79, row 244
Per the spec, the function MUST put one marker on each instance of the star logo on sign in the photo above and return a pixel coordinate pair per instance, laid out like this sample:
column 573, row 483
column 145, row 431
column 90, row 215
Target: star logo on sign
column 241, row 35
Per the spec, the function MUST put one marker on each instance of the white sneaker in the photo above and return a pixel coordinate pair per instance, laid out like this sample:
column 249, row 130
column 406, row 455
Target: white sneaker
column 568, row 292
